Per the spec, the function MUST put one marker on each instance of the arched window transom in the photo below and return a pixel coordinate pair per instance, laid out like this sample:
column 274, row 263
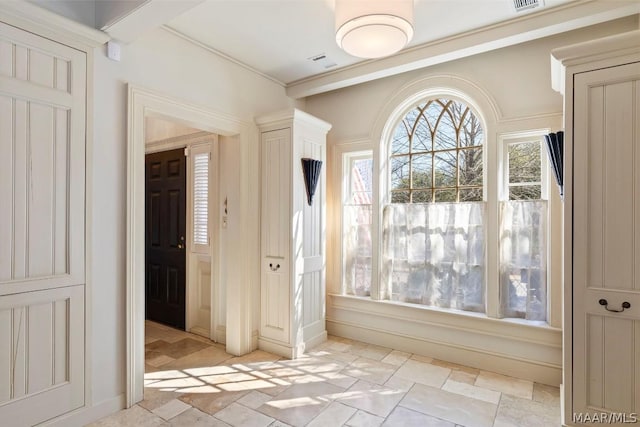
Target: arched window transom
column 436, row 154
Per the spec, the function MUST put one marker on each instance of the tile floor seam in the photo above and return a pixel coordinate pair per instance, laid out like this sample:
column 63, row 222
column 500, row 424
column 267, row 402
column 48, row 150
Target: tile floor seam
column 374, row 377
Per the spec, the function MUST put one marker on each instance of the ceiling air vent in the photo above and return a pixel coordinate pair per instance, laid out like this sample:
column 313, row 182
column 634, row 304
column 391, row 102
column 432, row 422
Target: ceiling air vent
column 521, row 5
column 323, row 60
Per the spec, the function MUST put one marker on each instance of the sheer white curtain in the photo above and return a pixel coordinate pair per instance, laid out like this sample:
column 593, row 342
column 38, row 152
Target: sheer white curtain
column 523, row 259
column 434, row 254
column 357, row 249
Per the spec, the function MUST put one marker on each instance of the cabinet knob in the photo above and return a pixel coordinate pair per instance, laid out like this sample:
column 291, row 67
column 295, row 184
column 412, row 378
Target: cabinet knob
column 274, row 268
column 605, row 303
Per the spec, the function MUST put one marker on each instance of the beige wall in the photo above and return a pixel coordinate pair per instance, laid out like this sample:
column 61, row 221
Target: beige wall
column 158, row 130
column 517, row 77
column 155, row 61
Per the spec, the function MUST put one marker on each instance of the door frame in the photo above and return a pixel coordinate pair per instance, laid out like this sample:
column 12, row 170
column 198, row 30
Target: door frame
column 144, row 102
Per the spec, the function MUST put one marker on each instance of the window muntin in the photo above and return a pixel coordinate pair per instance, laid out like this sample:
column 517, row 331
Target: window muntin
column 436, row 154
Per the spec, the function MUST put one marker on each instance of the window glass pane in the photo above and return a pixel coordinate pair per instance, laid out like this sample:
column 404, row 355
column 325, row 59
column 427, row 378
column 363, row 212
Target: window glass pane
column 421, row 170
column 400, row 172
column 400, row 197
column 453, row 159
column 445, row 134
column 525, row 192
column 471, row 133
column 445, row 169
column 410, row 119
column 470, row 164
column 471, row 194
column 361, row 181
column 356, row 220
column 524, row 162
column 357, row 250
column 421, row 139
column 421, row 196
column 448, row 195
column 432, row 112
column 523, row 256
column 400, row 143
column 201, row 199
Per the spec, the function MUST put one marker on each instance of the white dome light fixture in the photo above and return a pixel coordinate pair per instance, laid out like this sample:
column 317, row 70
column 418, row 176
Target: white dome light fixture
column 373, row 28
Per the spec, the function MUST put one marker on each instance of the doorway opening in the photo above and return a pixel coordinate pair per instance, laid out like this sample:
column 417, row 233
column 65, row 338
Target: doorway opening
column 233, row 327
column 182, row 183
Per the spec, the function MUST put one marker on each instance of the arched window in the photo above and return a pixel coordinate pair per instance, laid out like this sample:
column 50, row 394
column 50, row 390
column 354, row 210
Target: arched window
column 461, row 218
column 436, row 154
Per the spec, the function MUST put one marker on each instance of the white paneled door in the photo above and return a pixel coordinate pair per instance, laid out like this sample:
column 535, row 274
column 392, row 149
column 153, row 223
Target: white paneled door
column 276, row 205
column 42, row 225
column 606, row 242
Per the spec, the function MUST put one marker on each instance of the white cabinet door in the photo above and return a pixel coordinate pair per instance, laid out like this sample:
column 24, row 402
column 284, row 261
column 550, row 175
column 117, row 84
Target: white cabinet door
column 42, row 216
column 276, row 235
column 606, row 242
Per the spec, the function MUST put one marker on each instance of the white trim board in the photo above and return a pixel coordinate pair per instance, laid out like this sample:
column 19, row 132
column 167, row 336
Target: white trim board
column 507, row 347
column 88, row 414
column 141, row 103
column 547, row 22
column 179, row 142
column 51, row 25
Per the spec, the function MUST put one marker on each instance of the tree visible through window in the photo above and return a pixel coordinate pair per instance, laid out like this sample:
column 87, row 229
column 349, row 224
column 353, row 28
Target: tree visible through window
column 436, row 154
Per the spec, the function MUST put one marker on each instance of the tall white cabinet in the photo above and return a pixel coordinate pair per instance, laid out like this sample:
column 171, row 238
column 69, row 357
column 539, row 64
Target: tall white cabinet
column 602, row 230
column 292, row 287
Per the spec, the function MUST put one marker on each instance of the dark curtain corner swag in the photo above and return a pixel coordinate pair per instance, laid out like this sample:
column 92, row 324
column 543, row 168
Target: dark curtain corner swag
column 555, row 148
column 311, row 170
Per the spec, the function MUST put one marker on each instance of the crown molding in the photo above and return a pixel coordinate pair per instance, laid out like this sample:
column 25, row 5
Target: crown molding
column 221, row 54
column 46, row 23
column 528, row 27
column 580, row 53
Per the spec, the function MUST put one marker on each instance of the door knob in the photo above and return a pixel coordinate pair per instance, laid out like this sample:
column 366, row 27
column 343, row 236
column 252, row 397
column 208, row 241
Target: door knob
column 605, row 303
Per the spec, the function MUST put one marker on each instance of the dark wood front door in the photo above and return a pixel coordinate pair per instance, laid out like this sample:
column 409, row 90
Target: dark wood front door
column 165, row 237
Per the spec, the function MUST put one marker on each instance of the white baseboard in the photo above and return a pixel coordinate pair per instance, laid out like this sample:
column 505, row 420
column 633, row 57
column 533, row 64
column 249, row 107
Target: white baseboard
column 198, row 330
column 254, row 340
column 512, row 347
column 281, row 349
column 85, row 415
column 221, row 335
column 494, row 362
column 318, row 339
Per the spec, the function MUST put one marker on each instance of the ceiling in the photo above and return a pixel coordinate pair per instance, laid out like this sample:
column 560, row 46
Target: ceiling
column 277, row 37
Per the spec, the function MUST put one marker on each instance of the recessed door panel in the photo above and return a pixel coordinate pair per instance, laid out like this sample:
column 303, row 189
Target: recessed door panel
column 42, row 227
column 606, row 241
column 165, row 237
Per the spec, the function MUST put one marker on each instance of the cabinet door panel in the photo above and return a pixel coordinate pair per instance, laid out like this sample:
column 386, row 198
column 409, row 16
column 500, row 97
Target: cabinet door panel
column 606, row 240
column 276, row 236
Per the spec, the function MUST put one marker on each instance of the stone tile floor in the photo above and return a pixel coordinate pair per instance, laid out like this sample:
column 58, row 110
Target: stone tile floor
column 190, row 381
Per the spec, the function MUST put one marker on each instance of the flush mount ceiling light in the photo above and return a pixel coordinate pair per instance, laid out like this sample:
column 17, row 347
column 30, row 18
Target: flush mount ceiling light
column 373, row 28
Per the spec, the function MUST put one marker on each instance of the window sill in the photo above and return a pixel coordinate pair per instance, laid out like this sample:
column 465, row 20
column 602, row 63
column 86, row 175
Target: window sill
column 444, row 314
